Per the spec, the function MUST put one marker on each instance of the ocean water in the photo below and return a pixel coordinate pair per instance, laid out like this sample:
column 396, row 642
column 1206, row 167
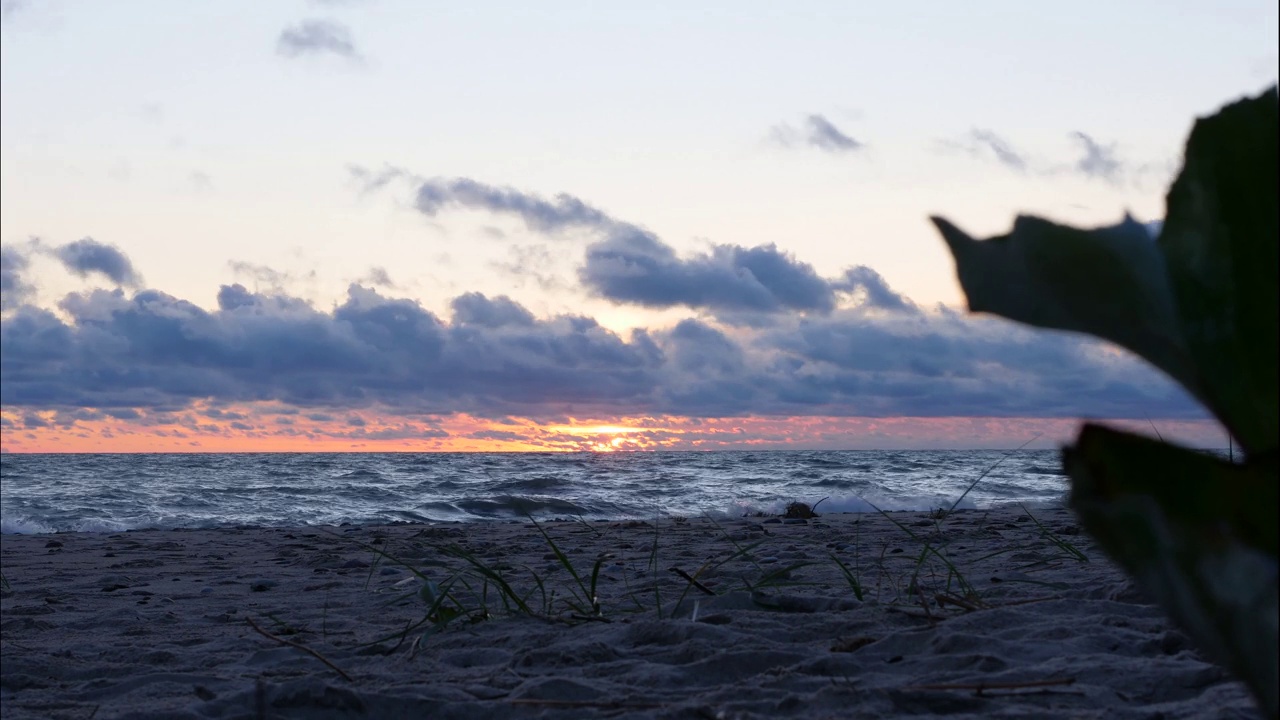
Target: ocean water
column 100, row 493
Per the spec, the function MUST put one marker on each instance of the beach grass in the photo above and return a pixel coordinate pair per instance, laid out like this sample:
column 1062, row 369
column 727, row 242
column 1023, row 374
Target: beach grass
column 476, row 589
column 453, row 582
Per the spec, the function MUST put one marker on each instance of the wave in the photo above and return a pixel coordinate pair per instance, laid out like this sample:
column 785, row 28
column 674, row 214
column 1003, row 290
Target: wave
column 533, row 484
column 854, row 504
column 31, row 526
column 109, row 493
column 1043, row 470
column 361, row 474
column 518, row 506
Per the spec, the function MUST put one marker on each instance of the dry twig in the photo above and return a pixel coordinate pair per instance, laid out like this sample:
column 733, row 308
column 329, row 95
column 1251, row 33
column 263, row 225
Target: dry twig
column 692, row 581
column 299, row 646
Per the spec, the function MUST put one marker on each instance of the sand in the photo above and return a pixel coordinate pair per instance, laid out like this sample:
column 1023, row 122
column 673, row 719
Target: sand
column 157, row 624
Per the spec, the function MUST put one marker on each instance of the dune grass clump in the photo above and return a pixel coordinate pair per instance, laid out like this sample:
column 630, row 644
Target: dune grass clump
column 457, row 585
column 472, row 588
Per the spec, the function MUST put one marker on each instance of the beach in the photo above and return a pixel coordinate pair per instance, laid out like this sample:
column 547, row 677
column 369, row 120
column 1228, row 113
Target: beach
column 979, row 613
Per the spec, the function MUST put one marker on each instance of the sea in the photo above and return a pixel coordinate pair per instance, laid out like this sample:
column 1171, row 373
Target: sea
column 114, row 492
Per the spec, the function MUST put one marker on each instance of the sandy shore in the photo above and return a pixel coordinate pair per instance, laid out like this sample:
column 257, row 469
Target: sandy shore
column 157, row 624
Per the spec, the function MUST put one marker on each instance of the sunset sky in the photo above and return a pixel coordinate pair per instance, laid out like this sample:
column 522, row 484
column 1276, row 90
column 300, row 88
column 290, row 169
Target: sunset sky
column 382, row 225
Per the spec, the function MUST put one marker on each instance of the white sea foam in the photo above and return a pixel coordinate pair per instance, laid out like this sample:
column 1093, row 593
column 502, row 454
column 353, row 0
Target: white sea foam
column 23, row 526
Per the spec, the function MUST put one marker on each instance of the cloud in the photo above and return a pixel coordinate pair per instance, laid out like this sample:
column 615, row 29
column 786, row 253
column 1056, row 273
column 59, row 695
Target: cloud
column 87, row 256
column 378, row 277
column 628, row 264
column 370, row 180
column 540, row 214
column 877, row 292
column 317, row 37
column 502, row 435
column 636, row 267
column 153, row 352
column 475, row 309
column 816, row 131
column 14, row 288
column 531, row 262
column 266, row 276
column 825, row 136
column 1098, row 161
column 152, row 349
column 1005, row 154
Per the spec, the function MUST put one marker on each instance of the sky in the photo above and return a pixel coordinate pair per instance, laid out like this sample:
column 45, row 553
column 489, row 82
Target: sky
column 379, row 225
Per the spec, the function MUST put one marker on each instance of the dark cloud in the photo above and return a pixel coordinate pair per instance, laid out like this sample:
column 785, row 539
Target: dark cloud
column 825, row 136
column 152, row 349
column 1098, row 161
column 561, row 213
column 636, row 267
column 115, row 351
column 877, row 293
column 317, row 37
column 476, row 309
column 700, row 348
column 948, row 365
column 88, row 256
column 14, row 289
column 818, row 132
column 158, row 353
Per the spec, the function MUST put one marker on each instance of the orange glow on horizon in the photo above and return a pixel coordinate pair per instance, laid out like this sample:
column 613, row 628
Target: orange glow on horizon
column 270, row 427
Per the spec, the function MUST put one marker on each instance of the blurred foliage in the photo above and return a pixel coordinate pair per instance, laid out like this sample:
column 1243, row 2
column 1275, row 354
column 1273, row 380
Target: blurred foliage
column 1197, row 532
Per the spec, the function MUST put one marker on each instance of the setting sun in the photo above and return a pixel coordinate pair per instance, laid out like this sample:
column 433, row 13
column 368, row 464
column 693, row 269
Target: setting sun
column 599, row 430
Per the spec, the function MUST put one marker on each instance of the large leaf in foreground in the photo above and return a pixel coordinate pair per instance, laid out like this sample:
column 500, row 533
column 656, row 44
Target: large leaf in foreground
column 1110, row 282
column 1200, row 303
column 1196, row 531
column 1220, row 239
